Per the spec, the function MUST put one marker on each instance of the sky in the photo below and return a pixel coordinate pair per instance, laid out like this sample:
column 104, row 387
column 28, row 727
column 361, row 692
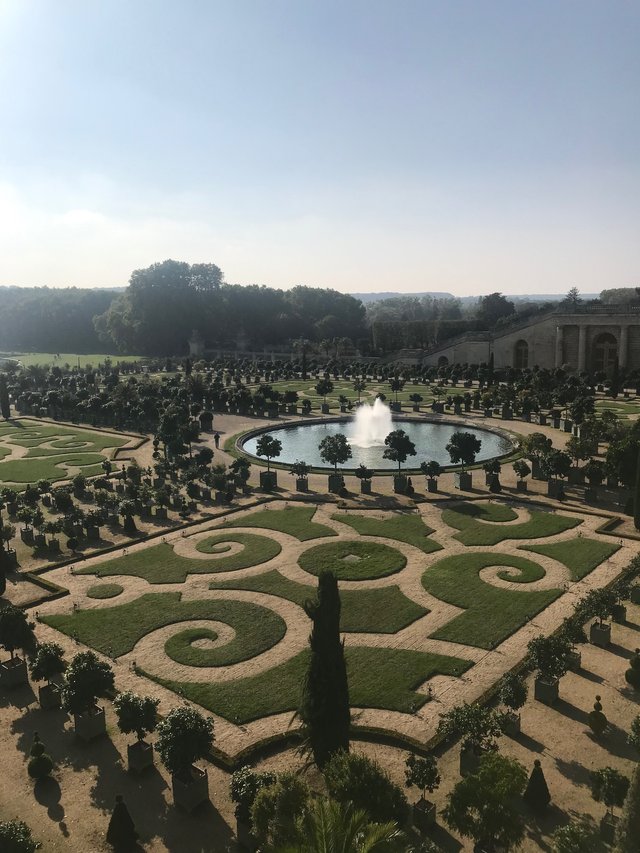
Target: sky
column 465, row 146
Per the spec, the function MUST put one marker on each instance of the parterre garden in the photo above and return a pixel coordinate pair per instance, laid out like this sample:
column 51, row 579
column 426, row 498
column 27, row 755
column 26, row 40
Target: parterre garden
column 217, row 616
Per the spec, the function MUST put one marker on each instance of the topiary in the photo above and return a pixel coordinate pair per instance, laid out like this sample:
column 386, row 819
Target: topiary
column 121, row 832
column 537, row 794
column 632, row 675
column 597, row 720
column 40, row 764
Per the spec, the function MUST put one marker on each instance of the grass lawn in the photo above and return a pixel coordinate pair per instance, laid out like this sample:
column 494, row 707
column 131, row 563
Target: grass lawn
column 161, row 564
column 470, row 520
column 491, row 614
column 353, row 561
column 306, row 390
column 114, row 631
column 378, row 678
column 105, row 590
column 180, row 647
column 51, row 468
column 402, row 527
column 294, row 520
column 28, row 359
column 579, row 555
column 379, row 611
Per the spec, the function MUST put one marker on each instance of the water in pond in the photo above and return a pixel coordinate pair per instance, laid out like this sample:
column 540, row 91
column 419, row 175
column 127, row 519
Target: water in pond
column 301, row 443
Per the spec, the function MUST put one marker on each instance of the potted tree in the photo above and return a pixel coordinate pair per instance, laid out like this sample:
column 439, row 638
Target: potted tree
column 535, row 447
column 522, row 471
column 632, row 675
column 416, row 399
column 241, row 468
column 16, row 632
column 610, row 787
column 245, row 786
column 364, row 474
column 595, row 472
column 574, row 633
column 477, row 726
column 137, row 714
column 432, row 471
column 87, row 678
column 47, row 662
column 555, row 467
column 462, row 449
column 25, row 515
column 513, row 694
column 335, row 450
column 324, row 387
column 492, row 470
column 270, row 448
column 423, row 774
column 300, row 470
column 548, row 656
column 598, row 604
column 398, row 447
column 185, row 736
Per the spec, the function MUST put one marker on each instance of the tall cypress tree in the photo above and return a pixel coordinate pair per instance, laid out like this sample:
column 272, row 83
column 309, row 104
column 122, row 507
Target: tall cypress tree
column 5, row 409
column 636, row 496
column 324, row 708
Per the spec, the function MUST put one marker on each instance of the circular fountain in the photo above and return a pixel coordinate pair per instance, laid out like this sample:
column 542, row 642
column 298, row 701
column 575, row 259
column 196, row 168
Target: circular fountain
column 366, row 431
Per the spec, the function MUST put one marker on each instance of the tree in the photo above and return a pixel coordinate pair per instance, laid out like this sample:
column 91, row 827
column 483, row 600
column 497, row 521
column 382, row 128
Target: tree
column 5, row 408
column 363, row 473
column 513, row 691
column 572, row 299
column 398, row 447
column 463, row 447
column 324, row 387
column 422, row 773
column 300, row 470
column 328, row 825
column 396, row 384
column 521, row 469
column 537, row 793
column 476, row 725
column 184, row 736
column 276, row 812
column 494, row 306
column 16, row 632
column 632, row 675
column 354, row 778
column 121, row 832
column 359, row 385
column 15, row 837
column 135, row 713
column 556, row 464
column 536, row 445
column 431, row 469
column 574, row 838
column 269, row 447
column 548, row 655
column 87, row 678
column 610, row 787
column 335, row 450
column 47, row 661
column 245, row 784
column 324, row 707
column 483, row 806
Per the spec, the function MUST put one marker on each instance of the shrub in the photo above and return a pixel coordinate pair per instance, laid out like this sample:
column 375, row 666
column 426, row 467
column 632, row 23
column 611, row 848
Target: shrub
column 47, row 662
column 276, row 811
column 574, row 838
column 245, row 784
column 40, row 764
column 15, row 837
column 184, row 736
column 632, row 675
column 351, row 777
column 513, row 691
column 476, row 725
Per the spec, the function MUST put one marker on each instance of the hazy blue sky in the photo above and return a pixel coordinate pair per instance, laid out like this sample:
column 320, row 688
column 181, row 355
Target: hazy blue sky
column 363, row 145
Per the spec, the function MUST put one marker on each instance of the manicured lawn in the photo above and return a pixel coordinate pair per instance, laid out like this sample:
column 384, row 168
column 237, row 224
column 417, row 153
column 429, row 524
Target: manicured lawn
column 180, row 647
column 295, row 520
column 114, row 631
column 491, row 614
column 579, row 555
column 161, row 564
column 471, row 520
column 47, row 358
column 353, row 560
column 104, row 590
column 51, row 468
column 378, row 678
column 401, row 526
column 381, row 611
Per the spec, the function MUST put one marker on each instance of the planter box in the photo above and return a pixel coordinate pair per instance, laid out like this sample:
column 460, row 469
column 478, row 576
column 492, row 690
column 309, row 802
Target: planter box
column 395, row 407
column 507, row 413
column 268, row 480
column 205, row 494
column 93, row 532
column 469, row 761
column 608, row 826
column 463, row 481
column 13, row 673
column 245, row 838
column 365, row 487
column 457, row 409
column 188, row 795
column 40, row 540
column 536, row 470
column 324, row 408
column 161, row 513
column 576, row 476
column 46, row 500
column 439, row 408
column 53, row 544
column 566, row 425
column 619, row 613
column 546, row 691
column 158, row 482
column 591, row 495
column 612, row 482
column 522, row 486
column 574, row 660
column 335, row 483
column 488, row 413
column 49, row 697
column 139, row 756
column 302, row 484
column 90, row 725
column 555, row 489
column 432, row 486
column 27, row 535
column 511, row 724
column 424, row 815
column 400, row 484
column 600, row 634
column 635, row 594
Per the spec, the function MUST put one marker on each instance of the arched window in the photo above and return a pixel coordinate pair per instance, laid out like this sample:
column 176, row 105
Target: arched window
column 443, row 361
column 521, row 355
column 605, row 353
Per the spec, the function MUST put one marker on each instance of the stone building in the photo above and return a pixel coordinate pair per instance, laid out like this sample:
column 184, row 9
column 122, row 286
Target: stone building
column 585, row 338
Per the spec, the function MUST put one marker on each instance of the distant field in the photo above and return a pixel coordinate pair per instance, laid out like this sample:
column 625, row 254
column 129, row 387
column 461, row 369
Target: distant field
column 46, row 358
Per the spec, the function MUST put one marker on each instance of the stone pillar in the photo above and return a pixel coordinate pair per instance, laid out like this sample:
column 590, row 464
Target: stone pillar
column 582, row 347
column 559, row 342
column 623, row 346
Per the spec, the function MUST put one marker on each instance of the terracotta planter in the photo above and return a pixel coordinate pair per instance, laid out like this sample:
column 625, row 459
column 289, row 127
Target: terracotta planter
column 13, row 673
column 49, row 697
column 188, row 794
column 424, row 814
column 91, row 724
column 268, row 480
column 546, row 690
column 139, row 756
column 576, row 476
column 600, row 634
column 463, row 481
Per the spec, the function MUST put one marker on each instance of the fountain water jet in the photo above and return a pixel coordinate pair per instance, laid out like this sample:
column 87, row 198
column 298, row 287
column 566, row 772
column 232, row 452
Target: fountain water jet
column 372, row 424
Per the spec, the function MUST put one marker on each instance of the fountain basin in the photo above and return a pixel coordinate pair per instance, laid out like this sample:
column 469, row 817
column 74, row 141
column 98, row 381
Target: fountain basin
column 300, row 441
